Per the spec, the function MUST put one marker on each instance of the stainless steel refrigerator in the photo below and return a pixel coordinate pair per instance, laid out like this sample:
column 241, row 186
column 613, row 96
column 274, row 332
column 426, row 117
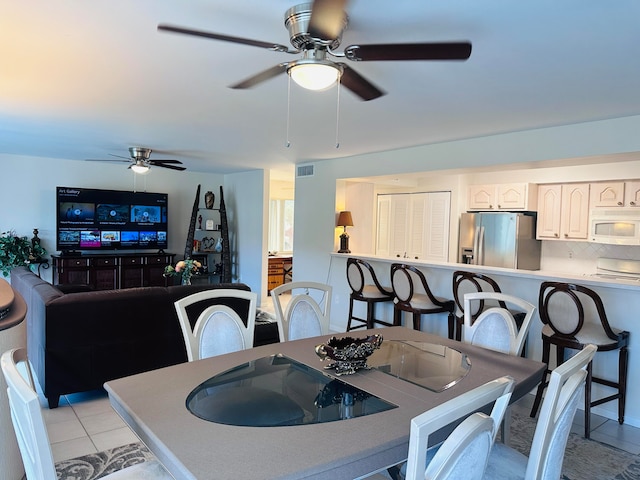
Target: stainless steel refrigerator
column 499, row 239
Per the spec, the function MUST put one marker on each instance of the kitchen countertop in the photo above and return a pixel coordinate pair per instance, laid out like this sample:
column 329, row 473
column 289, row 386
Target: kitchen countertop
column 587, row 279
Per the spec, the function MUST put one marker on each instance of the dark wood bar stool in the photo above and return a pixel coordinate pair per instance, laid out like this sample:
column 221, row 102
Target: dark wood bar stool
column 573, row 317
column 472, row 282
column 365, row 287
column 403, row 280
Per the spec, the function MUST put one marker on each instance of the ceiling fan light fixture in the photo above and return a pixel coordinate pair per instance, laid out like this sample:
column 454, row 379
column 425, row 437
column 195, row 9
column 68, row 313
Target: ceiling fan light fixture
column 314, row 74
column 140, row 168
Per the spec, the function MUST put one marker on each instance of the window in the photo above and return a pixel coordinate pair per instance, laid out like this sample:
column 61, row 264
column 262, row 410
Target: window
column 281, row 226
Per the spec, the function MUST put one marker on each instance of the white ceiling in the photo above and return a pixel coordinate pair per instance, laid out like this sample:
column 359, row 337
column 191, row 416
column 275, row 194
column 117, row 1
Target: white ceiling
column 85, row 79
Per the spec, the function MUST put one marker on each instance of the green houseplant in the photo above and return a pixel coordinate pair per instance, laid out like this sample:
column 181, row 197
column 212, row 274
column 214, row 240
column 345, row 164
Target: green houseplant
column 17, row 251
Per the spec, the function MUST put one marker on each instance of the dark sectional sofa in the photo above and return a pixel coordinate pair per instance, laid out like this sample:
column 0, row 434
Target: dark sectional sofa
column 78, row 339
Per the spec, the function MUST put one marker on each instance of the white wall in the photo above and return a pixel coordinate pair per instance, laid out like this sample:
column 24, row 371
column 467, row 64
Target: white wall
column 247, row 213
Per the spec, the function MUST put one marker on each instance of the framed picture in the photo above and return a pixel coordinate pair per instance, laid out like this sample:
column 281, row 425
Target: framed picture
column 209, row 225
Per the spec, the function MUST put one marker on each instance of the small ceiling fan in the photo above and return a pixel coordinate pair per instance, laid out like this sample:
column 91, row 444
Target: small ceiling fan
column 315, row 31
column 141, row 163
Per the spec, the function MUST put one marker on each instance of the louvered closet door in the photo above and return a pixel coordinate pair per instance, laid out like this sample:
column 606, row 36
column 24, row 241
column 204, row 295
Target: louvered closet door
column 414, row 226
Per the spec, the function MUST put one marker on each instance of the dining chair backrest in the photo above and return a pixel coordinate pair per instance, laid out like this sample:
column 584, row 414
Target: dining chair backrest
column 552, row 429
column 465, row 452
column 31, row 430
column 215, row 297
column 26, row 416
column 495, row 328
column 556, row 416
column 307, row 313
column 220, row 330
column 496, row 391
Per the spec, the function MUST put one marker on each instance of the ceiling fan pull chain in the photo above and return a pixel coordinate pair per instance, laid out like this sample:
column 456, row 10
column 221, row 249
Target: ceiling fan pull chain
column 338, row 114
column 288, row 144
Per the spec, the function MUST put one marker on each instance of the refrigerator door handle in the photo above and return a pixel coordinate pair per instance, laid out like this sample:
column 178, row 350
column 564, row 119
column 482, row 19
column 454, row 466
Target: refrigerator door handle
column 476, row 246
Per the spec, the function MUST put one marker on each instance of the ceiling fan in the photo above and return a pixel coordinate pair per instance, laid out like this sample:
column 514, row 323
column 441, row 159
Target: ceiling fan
column 141, row 163
column 315, row 31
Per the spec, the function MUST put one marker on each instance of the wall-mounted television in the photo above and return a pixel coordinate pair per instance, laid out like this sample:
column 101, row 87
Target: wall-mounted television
column 92, row 219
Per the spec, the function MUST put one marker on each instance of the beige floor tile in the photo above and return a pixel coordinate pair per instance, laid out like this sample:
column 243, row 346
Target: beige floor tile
column 63, row 413
column 102, row 422
column 72, row 448
column 92, row 406
column 67, row 430
column 114, row 438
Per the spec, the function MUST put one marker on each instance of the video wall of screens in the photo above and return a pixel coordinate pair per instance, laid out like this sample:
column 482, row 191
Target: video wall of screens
column 94, row 219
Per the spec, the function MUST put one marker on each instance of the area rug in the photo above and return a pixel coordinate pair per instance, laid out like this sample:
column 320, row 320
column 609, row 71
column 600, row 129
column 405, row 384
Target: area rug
column 98, row 465
column 584, row 459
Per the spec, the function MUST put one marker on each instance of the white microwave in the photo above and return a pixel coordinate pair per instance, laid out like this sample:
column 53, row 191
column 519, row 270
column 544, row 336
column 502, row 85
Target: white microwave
column 615, row 226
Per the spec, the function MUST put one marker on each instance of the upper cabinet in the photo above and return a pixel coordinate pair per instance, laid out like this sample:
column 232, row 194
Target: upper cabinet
column 615, row 194
column 504, row 197
column 563, row 212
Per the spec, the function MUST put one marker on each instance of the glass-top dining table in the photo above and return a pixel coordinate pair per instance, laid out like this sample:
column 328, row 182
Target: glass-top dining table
column 276, row 411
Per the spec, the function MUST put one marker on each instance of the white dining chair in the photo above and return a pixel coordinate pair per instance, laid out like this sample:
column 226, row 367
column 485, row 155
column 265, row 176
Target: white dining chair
column 465, row 453
column 307, row 314
column 218, row 329
column 424, row 425
column 495, row 328
column 31, row 430
column 546, row 455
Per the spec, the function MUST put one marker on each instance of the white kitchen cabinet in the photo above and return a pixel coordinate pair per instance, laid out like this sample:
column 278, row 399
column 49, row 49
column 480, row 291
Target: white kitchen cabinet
column 414, row 225
column 607, row 194
column 632, row 194
column 615, row 194
column 563, row 212
column 481, row 197
column 505, row 197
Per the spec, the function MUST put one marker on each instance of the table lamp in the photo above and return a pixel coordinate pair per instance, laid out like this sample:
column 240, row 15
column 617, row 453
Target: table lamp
column 344, row 221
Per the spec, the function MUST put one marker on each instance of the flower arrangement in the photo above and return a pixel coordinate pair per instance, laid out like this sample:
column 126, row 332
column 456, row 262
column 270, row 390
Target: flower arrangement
column 185, row 269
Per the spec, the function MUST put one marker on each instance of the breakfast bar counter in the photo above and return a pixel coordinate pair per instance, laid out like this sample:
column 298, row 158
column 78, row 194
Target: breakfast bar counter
column 621, row 299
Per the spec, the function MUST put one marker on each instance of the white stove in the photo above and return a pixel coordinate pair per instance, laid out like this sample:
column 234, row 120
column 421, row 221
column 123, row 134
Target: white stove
column 617, row 269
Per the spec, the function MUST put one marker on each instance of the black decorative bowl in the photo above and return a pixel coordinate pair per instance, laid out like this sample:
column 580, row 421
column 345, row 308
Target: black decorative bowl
column 348, row 354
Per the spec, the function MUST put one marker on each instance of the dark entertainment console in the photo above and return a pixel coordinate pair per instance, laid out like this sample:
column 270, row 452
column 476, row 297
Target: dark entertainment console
column 111, row 271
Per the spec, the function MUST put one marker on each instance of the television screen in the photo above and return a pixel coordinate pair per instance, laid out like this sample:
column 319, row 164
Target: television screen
column 93, row 219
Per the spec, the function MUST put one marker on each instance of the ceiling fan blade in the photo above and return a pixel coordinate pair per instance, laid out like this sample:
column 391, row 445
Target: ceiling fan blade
column 158, row 162
column 262, row 76
column 106, row 160
column 327, row 19
column 358, row 84
column 119, row 156
column 409, row 51
column 172, row 167
column 226, row 38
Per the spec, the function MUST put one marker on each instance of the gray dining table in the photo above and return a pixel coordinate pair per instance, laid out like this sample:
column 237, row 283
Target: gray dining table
column 154, row 405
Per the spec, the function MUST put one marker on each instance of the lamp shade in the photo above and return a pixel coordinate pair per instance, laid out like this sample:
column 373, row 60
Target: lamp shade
column 140, row 168
column 344, row 219
column 314, row 73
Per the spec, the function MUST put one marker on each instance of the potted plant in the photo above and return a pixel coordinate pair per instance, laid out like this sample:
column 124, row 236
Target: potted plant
column 17, row 251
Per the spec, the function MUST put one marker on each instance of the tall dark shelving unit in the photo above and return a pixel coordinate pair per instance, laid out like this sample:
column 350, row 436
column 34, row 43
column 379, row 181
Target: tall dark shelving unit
column 225, row 274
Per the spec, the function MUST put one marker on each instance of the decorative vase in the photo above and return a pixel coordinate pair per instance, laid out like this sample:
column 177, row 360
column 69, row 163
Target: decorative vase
column 218, row 247
column 209, row 198
column 186, row 280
